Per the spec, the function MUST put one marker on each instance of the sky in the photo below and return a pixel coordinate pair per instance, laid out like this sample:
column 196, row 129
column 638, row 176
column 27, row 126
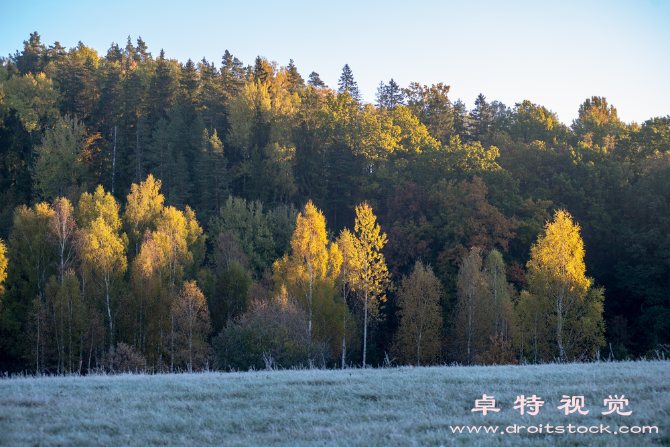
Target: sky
column 556, row 54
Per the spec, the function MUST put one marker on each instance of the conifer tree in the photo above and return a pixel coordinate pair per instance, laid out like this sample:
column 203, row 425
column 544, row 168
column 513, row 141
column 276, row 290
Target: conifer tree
column 315, row 80
column 295, row 82
column 347, row 84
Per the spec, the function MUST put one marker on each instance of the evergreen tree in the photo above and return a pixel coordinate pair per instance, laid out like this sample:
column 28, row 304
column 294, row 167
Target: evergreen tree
column 347, row 84
column 315, row 80
column 295, row 82
column 141, row 51
column 162, row 90
column 482, row 119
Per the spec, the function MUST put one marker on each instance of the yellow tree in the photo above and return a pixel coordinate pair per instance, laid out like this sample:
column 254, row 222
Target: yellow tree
column 191, row 326
column 3, row 266
column 349, row 267
column 557, row 276
column 63, row 234
column 98, row 205
column 372, row 275
column 103, row 250
column 309, row 258
column 144, row 206
column 418, row 336
column 104, row 254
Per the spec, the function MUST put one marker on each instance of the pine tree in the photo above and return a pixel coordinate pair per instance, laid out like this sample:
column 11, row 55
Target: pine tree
column 162, row 90
column 315, row 80
column 347, row 84
column 263, row 70
column 482, row 119
column 295, row 82
column 141, row 51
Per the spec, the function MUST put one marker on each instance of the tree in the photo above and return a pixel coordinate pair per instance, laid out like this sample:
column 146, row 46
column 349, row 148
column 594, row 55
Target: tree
column 309, row 260
column 212, row 175
column 433, row 108
column 315, row 80
column 3, row 267
column 347, row 84
column 100, row 204
column 294, row 81
column 63, row 234
column 499, row 292
column 105, row 257
column 389, row 96
column 272, row 334
column 482, row 119
column 68, row 320
column 349, row 268
column 59, row 166
column 192, row 325
column 372, row 275
column 418, row 339
column 473, row 324
column 557, row 277
column 598, row 123
column 143, row 208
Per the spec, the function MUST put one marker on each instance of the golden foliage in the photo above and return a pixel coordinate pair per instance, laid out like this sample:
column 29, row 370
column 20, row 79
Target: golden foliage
column 557, row 278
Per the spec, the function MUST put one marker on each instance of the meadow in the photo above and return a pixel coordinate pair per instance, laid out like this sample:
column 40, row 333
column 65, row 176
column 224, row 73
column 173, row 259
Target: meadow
column 390, row 406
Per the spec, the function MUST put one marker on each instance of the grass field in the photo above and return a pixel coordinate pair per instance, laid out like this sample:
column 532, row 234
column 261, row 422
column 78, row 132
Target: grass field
column 403, row 406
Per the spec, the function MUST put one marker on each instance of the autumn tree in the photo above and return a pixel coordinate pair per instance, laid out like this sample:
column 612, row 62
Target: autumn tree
column 191, row 327
column 349, row 268
column 63, row 234
column 143, row 207
column 499, row 289
column 419, row 335
column 104, row 250
column 3, row 266
column 473, row 324
column 105, row 256
column 557, row 277
column 310, row 260
column 372, row 274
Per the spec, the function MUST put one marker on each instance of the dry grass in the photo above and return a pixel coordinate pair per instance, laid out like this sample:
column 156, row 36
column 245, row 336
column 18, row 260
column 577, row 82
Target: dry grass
column 404, row 406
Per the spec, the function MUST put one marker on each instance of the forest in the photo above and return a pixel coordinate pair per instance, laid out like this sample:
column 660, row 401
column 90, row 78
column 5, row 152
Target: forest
column 165, row 216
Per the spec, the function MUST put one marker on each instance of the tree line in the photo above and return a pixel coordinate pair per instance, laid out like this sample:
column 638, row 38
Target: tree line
column 107, row 161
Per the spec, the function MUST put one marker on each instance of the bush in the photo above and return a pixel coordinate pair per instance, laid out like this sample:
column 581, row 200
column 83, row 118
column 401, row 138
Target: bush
column 273, row 334
column 123, row 358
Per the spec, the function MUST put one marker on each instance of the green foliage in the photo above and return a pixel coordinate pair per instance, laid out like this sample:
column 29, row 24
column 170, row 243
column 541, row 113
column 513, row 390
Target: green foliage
column 273, row 334
column 59, row 168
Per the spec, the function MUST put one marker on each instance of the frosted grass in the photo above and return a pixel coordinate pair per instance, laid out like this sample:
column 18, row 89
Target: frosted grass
column 399, row 406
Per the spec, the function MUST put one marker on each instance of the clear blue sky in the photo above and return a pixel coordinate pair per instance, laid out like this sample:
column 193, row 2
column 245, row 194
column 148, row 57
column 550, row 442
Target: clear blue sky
column 552, row 53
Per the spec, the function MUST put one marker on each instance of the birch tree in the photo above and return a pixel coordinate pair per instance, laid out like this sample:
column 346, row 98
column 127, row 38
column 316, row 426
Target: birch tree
column 372, row 274
column 418, row 338
column 557, row 275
